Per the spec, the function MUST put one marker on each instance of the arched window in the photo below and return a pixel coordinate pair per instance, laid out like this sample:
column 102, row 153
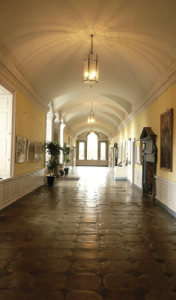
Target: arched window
column 103, row 151
column 92, row 146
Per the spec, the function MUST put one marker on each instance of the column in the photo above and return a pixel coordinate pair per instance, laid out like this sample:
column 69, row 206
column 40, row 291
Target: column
column 49, row 126
column 61, row 140
column 57, row 127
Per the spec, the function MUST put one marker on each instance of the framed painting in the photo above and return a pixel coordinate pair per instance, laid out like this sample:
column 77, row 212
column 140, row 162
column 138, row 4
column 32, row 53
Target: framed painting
column 166, row 140
column 30, row 151
column 41, row 152
column 20, row 149
column 138, row 152
column 37, row 151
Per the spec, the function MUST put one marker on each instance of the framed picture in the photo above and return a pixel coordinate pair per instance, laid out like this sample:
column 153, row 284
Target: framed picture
column 30, row 150
column 138, row 152
column 166, row 140
column 20, row 149
column 41, row 152
column 37, row 151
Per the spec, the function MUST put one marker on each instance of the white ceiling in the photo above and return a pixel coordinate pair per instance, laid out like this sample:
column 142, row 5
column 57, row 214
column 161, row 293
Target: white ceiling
column 47, row 40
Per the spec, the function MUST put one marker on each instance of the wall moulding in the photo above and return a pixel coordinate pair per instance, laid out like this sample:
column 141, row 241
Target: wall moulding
column 166, row 194
column 138, row 178
column 14, row 188
column 9, row 72
column 158, row 89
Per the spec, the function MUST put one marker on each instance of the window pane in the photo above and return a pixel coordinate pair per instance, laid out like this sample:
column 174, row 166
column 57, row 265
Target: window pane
column 103, row 151
column 92, row 147
column 81, row 150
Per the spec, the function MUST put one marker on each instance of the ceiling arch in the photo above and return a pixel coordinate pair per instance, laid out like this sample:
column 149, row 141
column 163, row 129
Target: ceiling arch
column 46, row 42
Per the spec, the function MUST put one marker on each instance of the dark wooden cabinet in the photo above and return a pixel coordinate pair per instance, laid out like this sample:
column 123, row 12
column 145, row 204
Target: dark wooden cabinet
column 149, row 159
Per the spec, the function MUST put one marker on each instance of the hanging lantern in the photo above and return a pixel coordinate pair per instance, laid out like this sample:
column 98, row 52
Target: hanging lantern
column 91, row 66
column 91, row 119
column 92, row 131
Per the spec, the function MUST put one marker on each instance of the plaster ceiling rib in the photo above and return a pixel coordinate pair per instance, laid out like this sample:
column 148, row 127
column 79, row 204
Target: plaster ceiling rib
column 98, row 110
column 81, row 126
column 81, row 100
column 102, row 129
column 85, row 133
column 124, row 105
column 135, row 43
column 75, row 106
column 61, row 100
column 121, row 115
column 112, row 116
column 100, row 119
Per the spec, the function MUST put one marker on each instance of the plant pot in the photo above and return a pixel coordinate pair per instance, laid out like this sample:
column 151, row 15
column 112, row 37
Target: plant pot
column 50, row 180
column 62, row 172
column 66, row 171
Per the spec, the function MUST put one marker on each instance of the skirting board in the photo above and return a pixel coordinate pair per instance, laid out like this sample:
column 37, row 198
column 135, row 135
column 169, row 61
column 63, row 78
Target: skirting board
column 120, row 178
column 170, row 211
column 14, row 188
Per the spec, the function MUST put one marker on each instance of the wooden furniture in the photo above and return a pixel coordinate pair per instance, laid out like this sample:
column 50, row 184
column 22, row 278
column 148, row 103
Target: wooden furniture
column 149, row 158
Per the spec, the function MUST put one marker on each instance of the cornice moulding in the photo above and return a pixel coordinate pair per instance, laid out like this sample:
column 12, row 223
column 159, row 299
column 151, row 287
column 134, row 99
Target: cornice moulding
column 158, row 89
column 16, row 79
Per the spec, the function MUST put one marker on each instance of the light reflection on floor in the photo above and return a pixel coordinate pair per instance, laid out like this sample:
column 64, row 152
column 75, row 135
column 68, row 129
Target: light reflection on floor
column 94, row 238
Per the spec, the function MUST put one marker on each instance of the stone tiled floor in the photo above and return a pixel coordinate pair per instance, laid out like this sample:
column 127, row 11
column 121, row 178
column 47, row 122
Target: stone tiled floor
column 91, row 239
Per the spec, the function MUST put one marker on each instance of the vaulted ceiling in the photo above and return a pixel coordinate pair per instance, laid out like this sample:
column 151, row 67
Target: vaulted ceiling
column 46, row 41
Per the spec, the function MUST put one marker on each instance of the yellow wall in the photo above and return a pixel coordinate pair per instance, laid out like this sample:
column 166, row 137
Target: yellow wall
column 65, row 138
column 30, row 123
column 151, row 118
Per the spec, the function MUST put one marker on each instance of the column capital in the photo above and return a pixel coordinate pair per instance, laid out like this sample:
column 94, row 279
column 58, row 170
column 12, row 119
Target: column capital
column 62, row 126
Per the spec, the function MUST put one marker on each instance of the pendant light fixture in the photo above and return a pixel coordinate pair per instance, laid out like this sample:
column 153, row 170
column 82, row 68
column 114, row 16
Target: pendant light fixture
column 92, row 131
column 91, row 66
column 91, row 119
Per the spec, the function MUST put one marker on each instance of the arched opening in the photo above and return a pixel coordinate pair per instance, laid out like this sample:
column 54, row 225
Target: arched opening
column 92, row 149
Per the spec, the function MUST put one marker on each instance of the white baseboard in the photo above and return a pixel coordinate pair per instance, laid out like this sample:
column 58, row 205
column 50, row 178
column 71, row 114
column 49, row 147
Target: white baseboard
column 98, row 163
column 138, row 178
column 166, row 194
column 14, row 188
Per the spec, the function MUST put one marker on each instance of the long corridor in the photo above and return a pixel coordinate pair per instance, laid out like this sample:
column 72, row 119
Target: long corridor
column 87, row 238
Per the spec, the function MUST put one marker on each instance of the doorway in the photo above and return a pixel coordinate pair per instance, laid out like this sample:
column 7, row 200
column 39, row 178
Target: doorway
column 7, row 132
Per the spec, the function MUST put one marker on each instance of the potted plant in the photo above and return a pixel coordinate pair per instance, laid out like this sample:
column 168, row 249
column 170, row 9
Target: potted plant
column 66, row 152
column 53, row 149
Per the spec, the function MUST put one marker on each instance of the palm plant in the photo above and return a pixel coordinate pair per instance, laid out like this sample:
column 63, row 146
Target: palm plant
column 66, row 152
column 53, row 149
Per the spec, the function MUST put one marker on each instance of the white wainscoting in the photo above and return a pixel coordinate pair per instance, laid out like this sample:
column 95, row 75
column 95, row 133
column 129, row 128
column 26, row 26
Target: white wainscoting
column 120, row 173
column 138, row 178
column 166, row 194
column 129, row 173
column 14, row 188
column 90, row 162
